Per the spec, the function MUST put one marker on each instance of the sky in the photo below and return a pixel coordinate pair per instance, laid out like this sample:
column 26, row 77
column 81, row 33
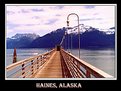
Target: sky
column 42, row 19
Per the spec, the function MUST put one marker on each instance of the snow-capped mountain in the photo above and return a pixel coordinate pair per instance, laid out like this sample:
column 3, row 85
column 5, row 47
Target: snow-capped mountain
column 28, row 35
column 21, row 40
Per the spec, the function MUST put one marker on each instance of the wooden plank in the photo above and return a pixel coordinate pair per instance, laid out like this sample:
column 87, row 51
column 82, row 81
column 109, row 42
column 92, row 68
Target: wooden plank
column 52, row 68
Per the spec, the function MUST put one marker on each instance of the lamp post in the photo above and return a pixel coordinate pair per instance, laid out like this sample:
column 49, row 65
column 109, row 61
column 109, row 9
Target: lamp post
column 65, row 40
column 71, row 40
column 78, row 28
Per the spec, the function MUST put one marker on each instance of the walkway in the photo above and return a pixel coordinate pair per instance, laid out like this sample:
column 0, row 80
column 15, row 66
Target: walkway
column 52, row 69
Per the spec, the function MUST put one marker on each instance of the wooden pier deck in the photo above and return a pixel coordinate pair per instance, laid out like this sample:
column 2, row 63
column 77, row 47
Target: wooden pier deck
column 51, row 69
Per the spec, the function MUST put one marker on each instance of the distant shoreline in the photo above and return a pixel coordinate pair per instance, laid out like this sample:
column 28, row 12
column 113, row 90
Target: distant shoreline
column 89, row 48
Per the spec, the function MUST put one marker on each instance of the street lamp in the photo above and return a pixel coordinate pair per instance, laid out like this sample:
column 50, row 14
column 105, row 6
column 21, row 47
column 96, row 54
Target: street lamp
column 78, row 28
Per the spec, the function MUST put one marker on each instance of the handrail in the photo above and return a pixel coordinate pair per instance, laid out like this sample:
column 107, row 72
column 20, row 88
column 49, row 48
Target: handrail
column 35, row 63
column 76, row 67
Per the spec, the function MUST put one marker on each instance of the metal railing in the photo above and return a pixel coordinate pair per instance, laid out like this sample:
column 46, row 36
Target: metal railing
column 73, row 67
column 27, row 67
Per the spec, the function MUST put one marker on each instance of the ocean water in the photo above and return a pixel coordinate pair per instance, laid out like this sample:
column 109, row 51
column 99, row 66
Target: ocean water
column 103, row 59
column 22, row 54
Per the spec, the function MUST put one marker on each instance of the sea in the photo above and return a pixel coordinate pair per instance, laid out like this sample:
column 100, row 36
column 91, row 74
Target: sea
column 103, row 59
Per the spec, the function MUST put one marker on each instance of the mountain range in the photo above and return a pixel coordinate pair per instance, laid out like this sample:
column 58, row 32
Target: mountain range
column 21, row 40
column 91, row 38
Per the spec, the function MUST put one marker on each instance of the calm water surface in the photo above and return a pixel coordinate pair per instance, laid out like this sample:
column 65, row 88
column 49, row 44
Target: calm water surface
column 102, row 59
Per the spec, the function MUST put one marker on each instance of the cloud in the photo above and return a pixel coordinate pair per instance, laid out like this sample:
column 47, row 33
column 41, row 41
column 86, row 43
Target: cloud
column 60, row 7
column 88, row 19
column 89, row 7
column 30, row 24
column 36, row 17
column 24, row 11
column 57, row 7
column 51, row 21
column 95, row 13
column 10, row 12
column 11, row 25
column 37, row 10
column 38, row 29
column 43, row 19
column 58, row 15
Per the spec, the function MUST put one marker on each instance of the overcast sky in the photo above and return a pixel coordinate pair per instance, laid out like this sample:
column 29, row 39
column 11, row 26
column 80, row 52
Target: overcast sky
column 42, row 19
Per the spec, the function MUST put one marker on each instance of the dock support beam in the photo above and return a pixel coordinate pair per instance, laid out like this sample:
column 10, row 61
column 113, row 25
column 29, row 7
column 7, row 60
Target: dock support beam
column 14, row 56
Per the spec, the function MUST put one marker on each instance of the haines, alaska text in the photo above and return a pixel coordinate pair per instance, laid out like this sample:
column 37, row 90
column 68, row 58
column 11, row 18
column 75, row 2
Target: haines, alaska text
column 60, row 85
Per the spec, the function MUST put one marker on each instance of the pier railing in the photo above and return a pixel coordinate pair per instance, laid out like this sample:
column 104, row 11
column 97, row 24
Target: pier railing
column 28, row 67
column 74, row 67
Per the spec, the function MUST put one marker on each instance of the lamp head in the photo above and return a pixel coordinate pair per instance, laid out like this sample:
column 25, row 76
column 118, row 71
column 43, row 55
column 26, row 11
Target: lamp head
column 67, row 23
